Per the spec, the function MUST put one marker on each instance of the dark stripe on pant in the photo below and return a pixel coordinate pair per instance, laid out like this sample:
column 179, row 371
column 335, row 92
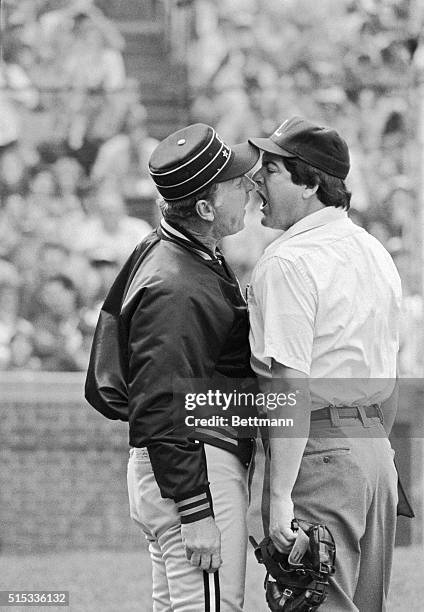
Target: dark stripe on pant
column 216, row 574
column 217, row 593
column 207, row 592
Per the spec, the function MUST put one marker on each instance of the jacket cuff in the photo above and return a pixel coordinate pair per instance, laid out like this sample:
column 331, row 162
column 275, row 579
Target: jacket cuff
column 195, row 507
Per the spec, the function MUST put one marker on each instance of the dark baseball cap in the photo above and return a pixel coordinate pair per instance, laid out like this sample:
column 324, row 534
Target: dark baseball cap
column 189, row 160
column 321, row 147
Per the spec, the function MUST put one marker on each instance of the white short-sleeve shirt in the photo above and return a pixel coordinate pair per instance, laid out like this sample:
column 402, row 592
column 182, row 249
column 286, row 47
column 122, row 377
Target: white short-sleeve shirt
column 325, row 299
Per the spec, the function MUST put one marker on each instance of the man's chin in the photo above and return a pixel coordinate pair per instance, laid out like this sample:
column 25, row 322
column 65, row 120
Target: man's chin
column 266, row 221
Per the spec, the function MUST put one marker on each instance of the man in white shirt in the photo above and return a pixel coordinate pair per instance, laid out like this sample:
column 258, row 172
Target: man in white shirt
column 324, row 308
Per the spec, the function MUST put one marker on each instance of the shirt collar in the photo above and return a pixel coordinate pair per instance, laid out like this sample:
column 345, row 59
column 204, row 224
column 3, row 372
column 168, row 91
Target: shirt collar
column 321, row 217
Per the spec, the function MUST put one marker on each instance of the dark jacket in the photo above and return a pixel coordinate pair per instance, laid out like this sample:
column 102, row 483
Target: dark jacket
column 181, row 316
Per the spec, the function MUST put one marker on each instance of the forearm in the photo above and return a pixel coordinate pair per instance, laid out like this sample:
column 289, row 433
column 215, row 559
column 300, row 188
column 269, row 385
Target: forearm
column 287, row 446
column 286, row 457
column 181, row 474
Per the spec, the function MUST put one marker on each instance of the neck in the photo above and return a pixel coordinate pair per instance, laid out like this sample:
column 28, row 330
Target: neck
column 207, row 240
column 314, row 205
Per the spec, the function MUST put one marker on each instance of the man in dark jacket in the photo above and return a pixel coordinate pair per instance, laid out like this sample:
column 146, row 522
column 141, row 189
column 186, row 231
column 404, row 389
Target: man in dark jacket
column 182, row 316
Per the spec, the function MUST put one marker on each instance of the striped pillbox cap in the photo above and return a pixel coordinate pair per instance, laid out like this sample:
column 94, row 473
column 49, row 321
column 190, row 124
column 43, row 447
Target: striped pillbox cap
column 188, row 161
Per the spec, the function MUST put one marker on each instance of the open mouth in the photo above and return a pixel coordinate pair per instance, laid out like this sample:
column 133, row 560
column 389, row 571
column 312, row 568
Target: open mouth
column 264, row 200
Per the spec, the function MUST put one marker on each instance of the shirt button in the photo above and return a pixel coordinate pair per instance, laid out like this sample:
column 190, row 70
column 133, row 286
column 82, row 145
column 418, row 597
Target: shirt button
column 326, row 459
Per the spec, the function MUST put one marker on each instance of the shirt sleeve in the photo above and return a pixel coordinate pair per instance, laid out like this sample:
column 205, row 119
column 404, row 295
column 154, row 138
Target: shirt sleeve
column 286, row 298
column 174, row 335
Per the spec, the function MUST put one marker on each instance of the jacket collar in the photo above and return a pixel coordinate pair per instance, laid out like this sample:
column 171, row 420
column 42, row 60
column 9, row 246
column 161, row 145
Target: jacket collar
column 176, row 233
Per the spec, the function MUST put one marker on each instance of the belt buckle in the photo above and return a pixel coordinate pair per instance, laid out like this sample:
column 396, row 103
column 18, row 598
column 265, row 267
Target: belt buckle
column 334, row 416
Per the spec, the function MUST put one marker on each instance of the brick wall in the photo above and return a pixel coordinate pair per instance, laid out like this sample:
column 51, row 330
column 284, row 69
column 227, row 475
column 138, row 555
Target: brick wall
column 63, row 470
column 63, row 467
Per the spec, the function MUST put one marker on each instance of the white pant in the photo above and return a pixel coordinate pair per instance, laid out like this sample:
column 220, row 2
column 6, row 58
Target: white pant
column 177, row 585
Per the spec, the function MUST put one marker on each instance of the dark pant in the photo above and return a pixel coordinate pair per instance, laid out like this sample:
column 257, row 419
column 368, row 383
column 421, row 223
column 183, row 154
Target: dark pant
column 347, row 481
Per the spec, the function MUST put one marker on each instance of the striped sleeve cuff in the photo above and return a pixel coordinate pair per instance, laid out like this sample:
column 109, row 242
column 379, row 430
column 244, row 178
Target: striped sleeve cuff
column 194, row 508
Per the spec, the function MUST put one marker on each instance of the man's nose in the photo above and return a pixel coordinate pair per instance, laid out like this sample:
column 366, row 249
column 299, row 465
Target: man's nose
column 249, row 183
column 257, row 177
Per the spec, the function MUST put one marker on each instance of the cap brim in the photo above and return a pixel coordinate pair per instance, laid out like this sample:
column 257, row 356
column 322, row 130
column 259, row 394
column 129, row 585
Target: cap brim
column 268, row 145
column 244, row 158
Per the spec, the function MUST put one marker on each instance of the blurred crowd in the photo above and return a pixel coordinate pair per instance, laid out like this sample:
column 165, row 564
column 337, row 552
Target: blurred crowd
column 356, row 65
column 74, row 145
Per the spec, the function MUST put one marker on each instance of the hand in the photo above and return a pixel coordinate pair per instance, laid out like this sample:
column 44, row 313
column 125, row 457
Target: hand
column 281, row 516
column 202, row 542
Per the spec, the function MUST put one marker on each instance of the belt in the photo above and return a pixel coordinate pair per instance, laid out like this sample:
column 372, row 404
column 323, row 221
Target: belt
column 347, row 412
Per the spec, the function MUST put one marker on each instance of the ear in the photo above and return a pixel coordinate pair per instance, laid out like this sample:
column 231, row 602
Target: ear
column 308, row 192
column 205, row 210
